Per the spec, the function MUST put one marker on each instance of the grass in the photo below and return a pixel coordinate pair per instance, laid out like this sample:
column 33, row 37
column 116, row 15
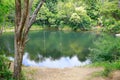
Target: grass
column 67, row 28
column 108, row 67
column 36, row 27
column 11, row 29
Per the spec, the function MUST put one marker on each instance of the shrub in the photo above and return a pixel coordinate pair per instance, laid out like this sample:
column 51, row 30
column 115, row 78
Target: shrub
column 112, row 27
column 80, row 21
column 105, row 48
column 5, row 73
column 109, row 67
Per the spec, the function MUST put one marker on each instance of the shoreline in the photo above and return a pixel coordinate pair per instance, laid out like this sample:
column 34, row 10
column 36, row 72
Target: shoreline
column 93, row 29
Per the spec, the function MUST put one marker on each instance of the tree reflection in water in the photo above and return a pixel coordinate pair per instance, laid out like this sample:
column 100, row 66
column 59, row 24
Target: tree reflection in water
column 52, row 47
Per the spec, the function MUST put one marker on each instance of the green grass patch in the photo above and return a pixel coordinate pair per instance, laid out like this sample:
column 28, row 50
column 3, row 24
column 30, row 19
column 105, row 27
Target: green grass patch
column 36, row 27
column 11, row 29
column 108, row 67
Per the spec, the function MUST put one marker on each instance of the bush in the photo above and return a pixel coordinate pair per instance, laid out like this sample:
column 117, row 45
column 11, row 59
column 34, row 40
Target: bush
column 108, row 67
column 80, row 21
column 113, row 28
column 105, row 48
column 5, row 73
column 116, row 28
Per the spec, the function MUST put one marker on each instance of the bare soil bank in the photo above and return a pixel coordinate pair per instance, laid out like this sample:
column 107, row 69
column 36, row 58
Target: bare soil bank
column 76, row 73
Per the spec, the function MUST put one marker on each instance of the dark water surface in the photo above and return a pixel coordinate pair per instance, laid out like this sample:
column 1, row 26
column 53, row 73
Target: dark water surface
column 54, row 49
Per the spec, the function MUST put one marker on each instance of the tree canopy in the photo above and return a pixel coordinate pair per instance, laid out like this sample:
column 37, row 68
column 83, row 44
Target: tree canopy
column 76, row 14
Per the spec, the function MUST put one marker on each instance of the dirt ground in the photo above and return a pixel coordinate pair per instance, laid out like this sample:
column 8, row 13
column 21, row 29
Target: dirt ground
column 76, row 73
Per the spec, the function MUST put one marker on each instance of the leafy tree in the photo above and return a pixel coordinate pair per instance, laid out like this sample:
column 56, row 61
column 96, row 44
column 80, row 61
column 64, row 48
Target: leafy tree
column 93, row 8
column 110, row 9
column 113, row 26
column 110, row 16
column 5, row 9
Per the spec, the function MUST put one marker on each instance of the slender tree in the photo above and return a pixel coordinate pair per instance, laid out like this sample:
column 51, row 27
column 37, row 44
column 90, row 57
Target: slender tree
column 23, row 23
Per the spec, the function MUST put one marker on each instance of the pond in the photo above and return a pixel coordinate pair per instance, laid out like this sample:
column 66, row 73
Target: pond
column 53, row 49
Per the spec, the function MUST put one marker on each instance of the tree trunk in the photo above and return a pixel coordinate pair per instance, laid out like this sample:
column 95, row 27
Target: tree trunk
column 22, row 25
column 19, row 51
column 19, row 44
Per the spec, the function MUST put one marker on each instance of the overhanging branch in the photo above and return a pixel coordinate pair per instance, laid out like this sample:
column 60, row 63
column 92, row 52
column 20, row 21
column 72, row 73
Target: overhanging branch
column 34, row 15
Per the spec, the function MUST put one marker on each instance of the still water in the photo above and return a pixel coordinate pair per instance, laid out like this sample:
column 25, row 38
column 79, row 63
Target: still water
column 53, row 49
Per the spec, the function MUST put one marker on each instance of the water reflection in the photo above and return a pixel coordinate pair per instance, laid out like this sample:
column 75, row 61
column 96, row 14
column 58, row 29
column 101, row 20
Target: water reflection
column 60, row 63
column 53, row 48
column 57, row 44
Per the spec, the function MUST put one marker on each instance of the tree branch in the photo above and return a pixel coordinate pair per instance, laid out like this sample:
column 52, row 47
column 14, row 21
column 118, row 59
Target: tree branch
column 18, row 12
column 34, row 15
column 27, row 21
column 24, row 16
column 23, row 20
column 28, row 17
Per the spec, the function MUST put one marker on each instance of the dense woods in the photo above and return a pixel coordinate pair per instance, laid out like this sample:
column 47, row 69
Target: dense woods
column 73, row 14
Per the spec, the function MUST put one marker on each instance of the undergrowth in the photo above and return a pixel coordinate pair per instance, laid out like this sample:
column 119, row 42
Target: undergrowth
column 108, row 67
column 5, row 73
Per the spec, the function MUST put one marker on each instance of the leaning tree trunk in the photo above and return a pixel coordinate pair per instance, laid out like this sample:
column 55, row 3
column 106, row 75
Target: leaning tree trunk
column 23, row 24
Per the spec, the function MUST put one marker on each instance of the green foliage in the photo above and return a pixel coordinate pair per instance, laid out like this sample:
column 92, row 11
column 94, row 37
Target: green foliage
column 110, row 9
column 6, row 12
column 5, row 73
column 113, row 27
column 80, row 19
column 110, row 13
column 75, row 18
column 77, row 14
column 80, row 14
column 108, row 67
column 70, row 13
column 92, row 8
column 51, row 5
column 105, row 49
column 108, row 21
column 3, row 10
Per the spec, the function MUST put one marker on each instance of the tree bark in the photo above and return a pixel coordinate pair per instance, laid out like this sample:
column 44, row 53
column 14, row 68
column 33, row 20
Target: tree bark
column 19, row 50
column 22, row 25
column 19, row 42
column 34, row 15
